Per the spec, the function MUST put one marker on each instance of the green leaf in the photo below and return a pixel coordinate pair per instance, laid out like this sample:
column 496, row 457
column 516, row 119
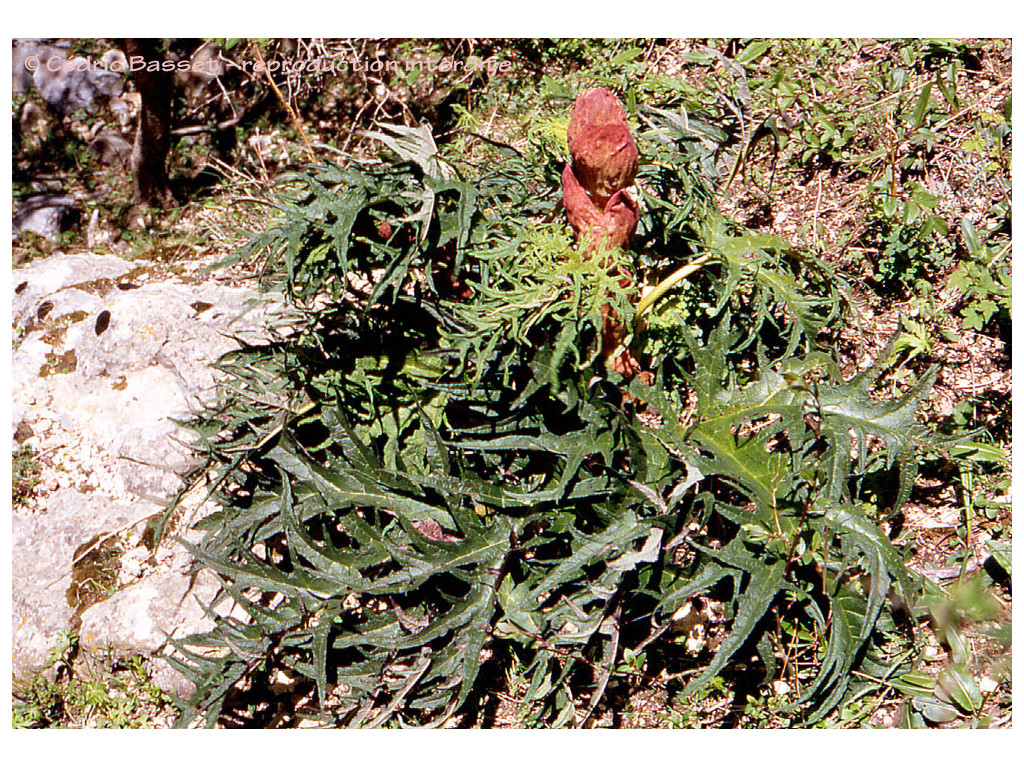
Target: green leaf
column 923, row 197
column 616, row 537
column 765, row 583
column 971, row 239
column 477, row 632
column 957, row 684
column 970, row 449
column 915, row 683
column 921, row 106
column 626, row 56
column 753, row 51
column 882, row 562
column 678, row 592
column 1002, row 553
column 934, row 710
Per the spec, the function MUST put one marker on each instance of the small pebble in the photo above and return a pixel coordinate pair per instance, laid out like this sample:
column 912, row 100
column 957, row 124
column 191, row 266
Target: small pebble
column 988, row 685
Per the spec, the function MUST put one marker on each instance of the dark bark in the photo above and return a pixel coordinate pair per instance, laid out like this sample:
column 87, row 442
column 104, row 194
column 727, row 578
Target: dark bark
column 150, row 182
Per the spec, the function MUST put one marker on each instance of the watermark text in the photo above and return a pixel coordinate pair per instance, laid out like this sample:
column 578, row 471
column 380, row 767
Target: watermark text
column 324, row 65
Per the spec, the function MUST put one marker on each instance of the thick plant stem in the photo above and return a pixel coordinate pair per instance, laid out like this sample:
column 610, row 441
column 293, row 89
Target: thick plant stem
column 669, row 283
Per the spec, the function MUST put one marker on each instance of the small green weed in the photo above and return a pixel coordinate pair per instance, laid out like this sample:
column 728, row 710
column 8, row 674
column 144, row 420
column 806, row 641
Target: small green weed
column 955, row 693
column 121, row 696
column 984, row 278
column 25, row 474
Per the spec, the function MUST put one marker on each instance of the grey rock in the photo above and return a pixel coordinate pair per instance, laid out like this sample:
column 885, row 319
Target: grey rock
column 112, row 149
column 140, row 618
column 51, row 186
column 142, row 359
column 43, row 548
column 124, row 109
column 105, row 365
column 72, row 84
column 34, row 127
column 167, row 678
column 43, row 280
column 47, row 215
column 26, row 55
column 115, row 60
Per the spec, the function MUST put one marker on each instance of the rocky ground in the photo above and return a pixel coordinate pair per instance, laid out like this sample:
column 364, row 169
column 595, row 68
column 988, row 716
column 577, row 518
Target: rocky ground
column 110, row 350
column 109, row 355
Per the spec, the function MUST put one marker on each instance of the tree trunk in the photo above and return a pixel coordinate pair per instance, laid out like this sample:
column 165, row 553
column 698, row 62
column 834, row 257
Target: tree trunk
column 150, row 183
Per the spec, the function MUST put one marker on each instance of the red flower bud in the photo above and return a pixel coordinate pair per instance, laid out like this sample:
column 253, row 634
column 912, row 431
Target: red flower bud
column 604, row 163
column 613, row 227
column 604, row 154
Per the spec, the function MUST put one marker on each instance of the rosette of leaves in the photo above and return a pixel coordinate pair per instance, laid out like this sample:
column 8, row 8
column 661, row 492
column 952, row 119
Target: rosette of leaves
column 421, row 489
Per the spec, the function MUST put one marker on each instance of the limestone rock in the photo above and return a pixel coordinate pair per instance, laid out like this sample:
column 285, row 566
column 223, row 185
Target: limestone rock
column 111, row 148
column 140, row 618
column 167, row 603
column 42, row 280
column 43, row 548
column 26, row 56
column 47, row 215
column 66, row 84
column 107, row 359
column 119, row 362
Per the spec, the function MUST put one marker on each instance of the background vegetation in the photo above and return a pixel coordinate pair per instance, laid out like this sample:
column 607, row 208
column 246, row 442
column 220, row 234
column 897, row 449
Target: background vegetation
column 440, row 508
